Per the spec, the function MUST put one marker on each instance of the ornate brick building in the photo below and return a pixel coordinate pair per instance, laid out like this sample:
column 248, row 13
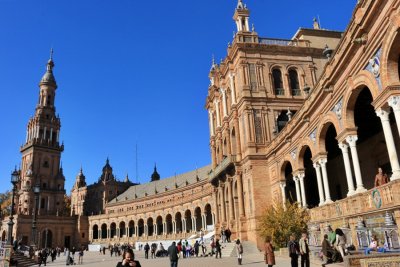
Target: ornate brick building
column 40, row 166
column 92, row 199
column 310, row 120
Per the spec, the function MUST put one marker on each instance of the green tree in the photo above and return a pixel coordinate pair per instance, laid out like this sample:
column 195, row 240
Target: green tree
column 5, row 203
column 279, row 222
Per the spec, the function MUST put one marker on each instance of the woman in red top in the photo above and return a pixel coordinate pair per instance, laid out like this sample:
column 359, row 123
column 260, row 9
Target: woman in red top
column 269, row 252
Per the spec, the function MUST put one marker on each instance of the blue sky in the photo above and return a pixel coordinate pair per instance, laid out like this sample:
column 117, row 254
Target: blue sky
column 128, row 72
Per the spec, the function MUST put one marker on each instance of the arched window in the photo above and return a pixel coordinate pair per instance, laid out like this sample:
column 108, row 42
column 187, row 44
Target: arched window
column 294, row 82
column 278, row 84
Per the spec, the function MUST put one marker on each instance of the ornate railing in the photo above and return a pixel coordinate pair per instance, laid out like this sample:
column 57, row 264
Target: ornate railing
column 221, row 167
column 380, row 198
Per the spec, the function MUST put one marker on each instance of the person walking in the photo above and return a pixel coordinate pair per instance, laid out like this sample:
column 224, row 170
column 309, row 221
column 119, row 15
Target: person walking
column 269, row 252
column 218, row 249
column 173, row 254
column 146, row 251
column 294, row 251
column 80, row 256
column 304, row 251
column 239, row 251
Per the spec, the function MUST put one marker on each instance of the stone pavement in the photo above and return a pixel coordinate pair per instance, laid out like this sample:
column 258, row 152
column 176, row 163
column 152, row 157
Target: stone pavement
column 97, row 260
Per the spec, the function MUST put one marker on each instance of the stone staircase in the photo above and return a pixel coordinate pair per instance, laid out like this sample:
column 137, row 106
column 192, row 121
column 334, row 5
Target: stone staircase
column 22, row 260
column 228, row 249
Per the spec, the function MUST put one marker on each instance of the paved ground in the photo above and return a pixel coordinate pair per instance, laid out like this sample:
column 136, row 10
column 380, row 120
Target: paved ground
column 94, row 259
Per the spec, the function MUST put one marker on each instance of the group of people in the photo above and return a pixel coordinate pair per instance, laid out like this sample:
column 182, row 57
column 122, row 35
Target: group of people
column 226, row 235
column 299, row 248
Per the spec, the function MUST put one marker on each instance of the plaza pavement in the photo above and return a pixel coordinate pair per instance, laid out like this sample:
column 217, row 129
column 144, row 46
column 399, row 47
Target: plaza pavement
column 97, row 260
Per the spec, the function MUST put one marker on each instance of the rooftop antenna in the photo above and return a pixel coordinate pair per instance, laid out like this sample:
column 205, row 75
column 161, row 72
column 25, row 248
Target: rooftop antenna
column 319, row 22
column 137, row 168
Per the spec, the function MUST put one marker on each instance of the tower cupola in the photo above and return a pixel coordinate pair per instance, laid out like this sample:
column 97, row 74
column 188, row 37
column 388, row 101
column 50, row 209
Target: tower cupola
column 155, row 176
column 241, row 17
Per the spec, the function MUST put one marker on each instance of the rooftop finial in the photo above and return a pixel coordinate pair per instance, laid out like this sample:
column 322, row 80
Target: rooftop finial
column 240, row 5
column 51, row 53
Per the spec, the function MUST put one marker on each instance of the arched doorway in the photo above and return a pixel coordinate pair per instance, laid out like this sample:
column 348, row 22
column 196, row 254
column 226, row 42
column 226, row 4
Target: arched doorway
column 371, row 143
column 47, row 238
column 103, row 231
column 198, row 218
column 113, row 230
column 335, row 167
column 122, row 229
column 209, row 219
column 159, row 222
column 95, row 231
column 140, row 227
column 131, row 228
column 178, row 221
column 290, row 188
column 310, row 180
column 188, row 219
column 150, row 227
column 168, row 221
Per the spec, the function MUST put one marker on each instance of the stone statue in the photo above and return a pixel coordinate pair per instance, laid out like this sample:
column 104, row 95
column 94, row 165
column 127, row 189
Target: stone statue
column 380, row 178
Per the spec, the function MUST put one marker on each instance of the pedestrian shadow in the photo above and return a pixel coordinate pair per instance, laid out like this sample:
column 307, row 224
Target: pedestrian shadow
column 253, row 262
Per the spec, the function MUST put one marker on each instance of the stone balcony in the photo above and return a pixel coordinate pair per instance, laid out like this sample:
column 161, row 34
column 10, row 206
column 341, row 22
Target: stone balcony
column 43, row 142
column 221, row 168
column 385, row 197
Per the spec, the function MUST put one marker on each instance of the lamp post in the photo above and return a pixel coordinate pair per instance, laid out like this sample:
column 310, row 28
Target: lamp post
column 36, row 191
column 14, row 181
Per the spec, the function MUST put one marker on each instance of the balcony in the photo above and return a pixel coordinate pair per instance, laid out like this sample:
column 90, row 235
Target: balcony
column 296, row 92
column 279, row 91
column 384, row 197
column 284, row 42
column 222, row 166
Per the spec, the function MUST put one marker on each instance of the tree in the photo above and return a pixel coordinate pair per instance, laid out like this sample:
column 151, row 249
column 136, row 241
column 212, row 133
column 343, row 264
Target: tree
column 5, row 203
column 67, row 206
column 280, row 223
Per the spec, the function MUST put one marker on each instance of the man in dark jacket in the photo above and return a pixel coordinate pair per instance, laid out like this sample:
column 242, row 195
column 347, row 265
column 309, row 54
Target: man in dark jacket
column 294, row 251
column 173, row 254
column 146, row 251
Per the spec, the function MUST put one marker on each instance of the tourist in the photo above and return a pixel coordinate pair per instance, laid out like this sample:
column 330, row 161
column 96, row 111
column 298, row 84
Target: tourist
column 128, row 259
column 173, row 254
column 153, row 250
column 326, row 250
column 218, row 249
column 196, row 247
column 294, row 250
column 380, row 178
column 340, row 241
column 331, row 236
column 374, row 246
column 223, row 236
column 228, row 234
column 73, row 252
column 146, row 251
column 304, row 250
column 269, row 252
column 80, row 256
column 239, row 251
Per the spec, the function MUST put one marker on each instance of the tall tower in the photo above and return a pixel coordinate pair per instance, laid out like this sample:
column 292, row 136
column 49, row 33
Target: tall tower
column 41, row 153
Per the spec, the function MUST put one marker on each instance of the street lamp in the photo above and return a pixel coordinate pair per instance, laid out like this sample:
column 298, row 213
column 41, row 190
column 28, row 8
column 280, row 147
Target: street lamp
column 14, row 181
column 36, row 191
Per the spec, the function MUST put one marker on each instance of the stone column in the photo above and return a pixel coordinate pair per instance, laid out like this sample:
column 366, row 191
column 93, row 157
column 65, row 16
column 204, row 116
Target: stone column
column 394, row 102
column 211, row 122
column 387, row 131
column 317, row 168
column 230, row 196
column 282, row 185
column 351, row 140
column 183, row 225
column 232, row 84
column 347, row 168
column 240, row 195
column 223, row 203
column 224, row 106
column 203, row 221
column 215, row 195
column 322, row 163
column 136, row 233
column 216, row 103
column 303, row 192
column 296, row 181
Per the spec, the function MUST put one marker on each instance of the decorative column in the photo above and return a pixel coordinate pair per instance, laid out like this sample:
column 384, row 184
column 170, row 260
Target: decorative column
column 282, row 185
column 347, row 168
column 216, row 103
column 136, row 231
column 224, row 108
column 233, row 90
column 394, row 102
column 387, row 131
column 203, row 222
column 351, row 140
column 240, row 195
column 211, row 122
column 322, row 163
column 223, row 203
column 296, row 181
column 216, row 208
column 317, row 168
column 230, row 196
column 303, row 192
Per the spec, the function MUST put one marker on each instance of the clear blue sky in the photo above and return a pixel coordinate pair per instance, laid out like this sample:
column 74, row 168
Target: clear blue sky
column 128, row 72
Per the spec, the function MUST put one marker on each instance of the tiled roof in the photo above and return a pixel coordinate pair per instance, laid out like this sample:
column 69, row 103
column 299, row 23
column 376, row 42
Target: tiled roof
column 148, row 189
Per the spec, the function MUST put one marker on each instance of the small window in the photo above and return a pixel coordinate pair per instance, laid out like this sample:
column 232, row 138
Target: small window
column 44, row 185
column 42, row 203
column 58, row 203
column 45, row 164
column 294, row 82
column 83, row 235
